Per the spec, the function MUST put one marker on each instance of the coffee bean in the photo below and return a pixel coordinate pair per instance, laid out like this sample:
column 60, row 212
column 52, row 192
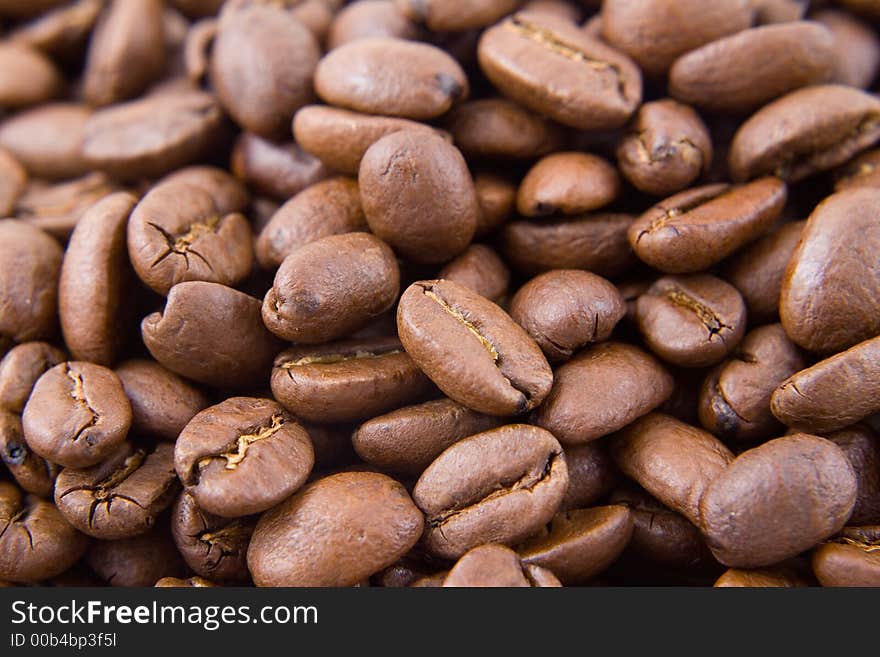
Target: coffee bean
column 347, row 380
column 480, row 269
column 61, row 31
column 567, row 183
column 548, row 65
column 29, row 77
column 779, row 11
column 47, row 139
column 137, row 561
column 20, row 369
column 859, row 172
column 735, row 396
column 31, row 472
column 370, row 18
column 122, row 495
column 856, row 47
column 777, row 500
column 862, row 449
column 439, row 16
column 591, row 474
column 499, row 486
column 494, row 565
column 691, row 321
column 602, row 390
column 77, row 415
column 57, row 208
column 496, row 197
column 13, row 179
column 849, row 560
column 334, row 532
column 418, row 196
column 472, row 350
column 277, row 170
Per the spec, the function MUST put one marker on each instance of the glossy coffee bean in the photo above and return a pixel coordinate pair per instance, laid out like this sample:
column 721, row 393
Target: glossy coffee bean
column 862, row 449
column 567, row 183
column 47, row 139
column 440, row 16
column 370, row 18
column 493, row 565
column 29, row 77
column 850, row 559
column 137, row 561
column 31, row 472
column 20, row 369
column 480, row 269
column 279, row 170
column 856, row 47
column 591, row 474
column 496, row 197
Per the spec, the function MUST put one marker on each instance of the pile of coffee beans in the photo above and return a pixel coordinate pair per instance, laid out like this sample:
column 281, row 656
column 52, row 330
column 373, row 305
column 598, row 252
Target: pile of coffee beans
column 439, row 292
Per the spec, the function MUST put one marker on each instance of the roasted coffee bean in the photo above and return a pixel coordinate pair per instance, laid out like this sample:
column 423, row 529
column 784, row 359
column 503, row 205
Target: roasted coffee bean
column 347, row 380
column 852, row 559
column 329, row 207
column 862, row 171
column 760, row 577
column 768, row 12
column 591, row 474
column 777, row 500
column 856, row 48
column 757, row 271
column 667, row 147
column 339, row 137
column 162, row 403
column 370, row 18
column 444, row 16
column 13, row 179
column 262, row 66
column 57, row 208
column 32, row 472
column 564, row 310
column 567, row 183
column 697, row 228
column 862, row 449
column 381, row 75
column 760, row 64
column 212, row 546
column 242, row 456
column 673, row 461
column 47, row 140
column 332, row 287
column 191, row 230
column 833, row 393
column 691, row 321
column 336, row 531
column 122, row 495
column 36, row 543
column 77, row 415
column 834, row 123
column 190, row 583
column 211, row 334
column 197, row 47
column 493, row 565
column 601, row 390
column 656, row 32
column 93, row 307
column 496, row 197
column 418, row 196
column 480, row 269
column 499, row 128
column 408, row 439
column 735, row 397
column 474, row 352
column 547, row 64
column 595, row 242
column 829, row 294
column 499, row 486
column 62, row 31
column 279, row 170
column 29, row 77
column 20, row 369
column 127, row 51
column 137, row 561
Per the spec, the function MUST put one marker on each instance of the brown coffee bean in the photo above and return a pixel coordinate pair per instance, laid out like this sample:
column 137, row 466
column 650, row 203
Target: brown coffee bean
column 332, row 287
column 499, row 128
column 381, row 75
column 408, row 439
column 418, row 196
column 499, row 486
column 95, row 276
column 591, row 474
column 693, row 230
column 735, row 397
column 197, row 47
column 20, row 369
column 29, row 77
column 603, row 389
column 47, row 140
column 859, row 172
column 862, row 449
column 162, row 403
column 691, row 321
column 655, row 32
column 127, row 51
column 856, row 47
column 138, row 561
column 480, row 269
column 187, row 231
column 834, row 124
column 667, row 147
column 153, row 135
column 30, row 262
column 550, row 66
column 13, row 179
column 242, row 456
column 760, row 578
column 279, row 170
column 62, row 31
column 757, row 271
column 567, row 183
column 440, row 16
column 833, row 393
column 121, row 496
column 348, row 380
column 370, row 18
column 852, row 559
column 339, row 137
column 565, row 309
column 673, row 461
column 472, row 350
column 31, row 472
column 57, row 208
column 760, row 64
column 35, row 541
column 830, row 291
column 191, row 583
column 336, row 531
column 496, row 197
column 212, row 546
column 493, row 565
column 777, row 500
column 262, row 66
column 329, row 207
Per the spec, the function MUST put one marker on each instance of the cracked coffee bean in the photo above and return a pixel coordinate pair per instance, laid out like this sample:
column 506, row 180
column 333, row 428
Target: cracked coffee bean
column 492, row 565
